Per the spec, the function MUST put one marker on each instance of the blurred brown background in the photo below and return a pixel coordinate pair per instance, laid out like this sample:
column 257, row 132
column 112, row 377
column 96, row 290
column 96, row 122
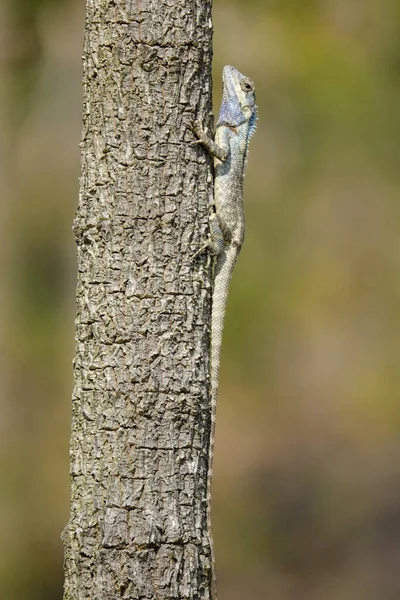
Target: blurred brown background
column 307, row 482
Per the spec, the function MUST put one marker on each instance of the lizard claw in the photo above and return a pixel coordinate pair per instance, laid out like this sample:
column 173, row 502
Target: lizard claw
column 211, row 246
column 214, row 243
column 203, row 248
column 198, row 130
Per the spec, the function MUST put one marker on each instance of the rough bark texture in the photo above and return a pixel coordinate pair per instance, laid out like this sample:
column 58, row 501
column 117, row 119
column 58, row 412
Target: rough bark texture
column 141, row 414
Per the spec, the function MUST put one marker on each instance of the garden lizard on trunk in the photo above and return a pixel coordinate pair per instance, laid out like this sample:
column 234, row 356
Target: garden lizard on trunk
column 235, row 126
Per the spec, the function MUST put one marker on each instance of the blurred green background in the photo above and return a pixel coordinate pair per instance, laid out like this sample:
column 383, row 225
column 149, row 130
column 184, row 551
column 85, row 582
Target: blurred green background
column 307, row 475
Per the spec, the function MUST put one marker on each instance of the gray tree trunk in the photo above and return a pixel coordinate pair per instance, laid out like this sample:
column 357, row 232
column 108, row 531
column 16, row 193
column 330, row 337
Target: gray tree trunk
column 141, row 413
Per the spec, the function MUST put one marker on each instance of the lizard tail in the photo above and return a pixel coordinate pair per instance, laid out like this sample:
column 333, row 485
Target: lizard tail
column 223, row 273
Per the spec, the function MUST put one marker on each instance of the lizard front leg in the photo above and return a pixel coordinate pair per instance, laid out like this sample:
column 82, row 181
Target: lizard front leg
column 204, row 139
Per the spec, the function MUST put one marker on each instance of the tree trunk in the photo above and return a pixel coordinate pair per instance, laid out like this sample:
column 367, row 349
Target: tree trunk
column 141, row 413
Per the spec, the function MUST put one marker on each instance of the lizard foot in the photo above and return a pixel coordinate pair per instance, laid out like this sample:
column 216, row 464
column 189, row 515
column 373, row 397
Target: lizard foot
column 199, row 131
column 207, row 246
column 215, row 241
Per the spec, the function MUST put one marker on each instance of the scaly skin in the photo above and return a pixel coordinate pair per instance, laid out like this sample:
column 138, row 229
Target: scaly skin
column 236, row 124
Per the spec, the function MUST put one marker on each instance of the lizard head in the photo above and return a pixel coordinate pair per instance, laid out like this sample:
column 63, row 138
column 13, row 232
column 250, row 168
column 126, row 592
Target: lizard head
column 238, row 98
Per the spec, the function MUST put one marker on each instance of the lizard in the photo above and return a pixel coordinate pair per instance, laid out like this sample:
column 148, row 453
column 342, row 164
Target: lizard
column 235, row 126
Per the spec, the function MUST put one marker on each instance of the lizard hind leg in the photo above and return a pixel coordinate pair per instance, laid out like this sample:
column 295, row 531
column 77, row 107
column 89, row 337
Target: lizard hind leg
column 215, row 241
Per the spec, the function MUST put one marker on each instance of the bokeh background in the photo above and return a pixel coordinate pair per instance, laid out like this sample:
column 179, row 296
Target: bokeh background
column 307, row 474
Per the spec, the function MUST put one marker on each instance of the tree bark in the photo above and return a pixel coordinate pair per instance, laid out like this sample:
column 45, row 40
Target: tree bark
column 141, row 413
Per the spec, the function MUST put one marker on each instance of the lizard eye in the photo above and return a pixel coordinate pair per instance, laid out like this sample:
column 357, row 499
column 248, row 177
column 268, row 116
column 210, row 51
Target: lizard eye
column 247, row 85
